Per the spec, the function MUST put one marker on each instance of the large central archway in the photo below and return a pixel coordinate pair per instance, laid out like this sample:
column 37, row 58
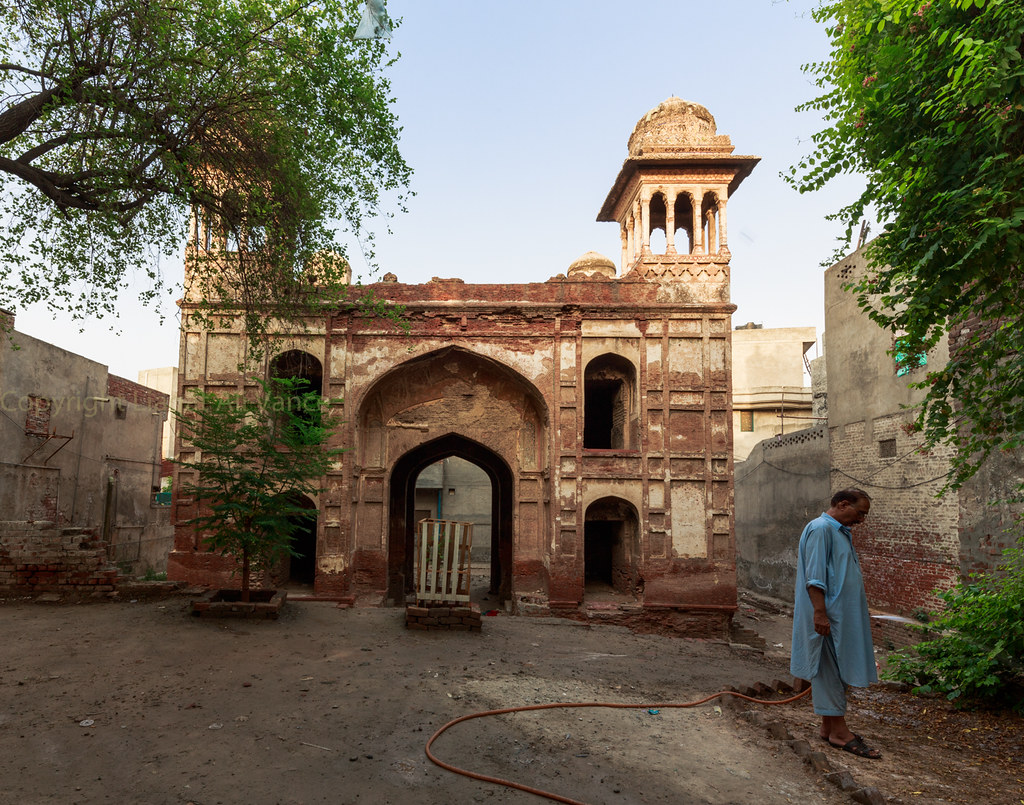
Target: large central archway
column 402, row 504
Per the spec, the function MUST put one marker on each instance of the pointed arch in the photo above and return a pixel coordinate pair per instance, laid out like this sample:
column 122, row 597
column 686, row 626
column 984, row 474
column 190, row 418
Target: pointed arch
column 402, row 504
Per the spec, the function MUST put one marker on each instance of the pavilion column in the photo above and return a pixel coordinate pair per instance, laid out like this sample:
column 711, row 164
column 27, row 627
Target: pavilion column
column 698, row 224
column 638, row 237
column 624, row 237
column 645, row 225
column 670, row 225
column 723, row 239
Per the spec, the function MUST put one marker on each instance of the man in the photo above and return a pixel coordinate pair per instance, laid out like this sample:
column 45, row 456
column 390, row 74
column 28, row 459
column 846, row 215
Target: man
column 831, row 626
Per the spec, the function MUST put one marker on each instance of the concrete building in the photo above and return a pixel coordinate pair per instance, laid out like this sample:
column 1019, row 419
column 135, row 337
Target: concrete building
column 769, row 396
column 456, row 489
column 79, row 463
column 913, row 542
column 597, row 404
column 165, row 380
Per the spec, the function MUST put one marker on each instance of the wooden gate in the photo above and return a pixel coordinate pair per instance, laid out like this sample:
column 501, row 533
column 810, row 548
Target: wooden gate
column 442, row 561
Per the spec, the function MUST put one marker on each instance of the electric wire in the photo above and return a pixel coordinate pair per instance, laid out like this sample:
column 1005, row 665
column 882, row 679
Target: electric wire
column 552, row 705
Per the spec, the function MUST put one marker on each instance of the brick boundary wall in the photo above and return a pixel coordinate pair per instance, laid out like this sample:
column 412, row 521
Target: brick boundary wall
column 133, row 392
column 42, row 558
column 458, row 618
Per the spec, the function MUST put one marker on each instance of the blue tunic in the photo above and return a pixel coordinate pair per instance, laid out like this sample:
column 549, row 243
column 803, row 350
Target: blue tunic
column 826, row 559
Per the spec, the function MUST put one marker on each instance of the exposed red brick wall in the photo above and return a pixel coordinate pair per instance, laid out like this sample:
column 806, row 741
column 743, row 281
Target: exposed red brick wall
column 910, row 544
column 902, row 568
column 135, row 393
column 37, row 418
column 40, row 558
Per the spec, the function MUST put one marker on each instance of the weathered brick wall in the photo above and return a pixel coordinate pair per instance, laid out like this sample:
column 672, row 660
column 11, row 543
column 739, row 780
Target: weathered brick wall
column 133, row 392
column 39, row 558
column 909, row 543
column 37, row 417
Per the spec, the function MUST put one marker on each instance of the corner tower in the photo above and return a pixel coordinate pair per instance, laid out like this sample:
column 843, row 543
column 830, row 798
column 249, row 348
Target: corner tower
column 677, row 181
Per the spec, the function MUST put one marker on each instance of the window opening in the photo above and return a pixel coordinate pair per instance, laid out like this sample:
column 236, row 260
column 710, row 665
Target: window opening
column 299, row 365
column 709, row 221
column 608, row 416
column 684, row 222
column 657, row 215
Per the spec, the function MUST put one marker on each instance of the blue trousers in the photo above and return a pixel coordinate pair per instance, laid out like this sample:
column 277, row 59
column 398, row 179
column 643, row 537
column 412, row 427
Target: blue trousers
column 828, row 692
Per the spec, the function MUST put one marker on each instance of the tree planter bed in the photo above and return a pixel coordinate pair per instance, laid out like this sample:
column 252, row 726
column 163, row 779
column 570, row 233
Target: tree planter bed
column 263, row 604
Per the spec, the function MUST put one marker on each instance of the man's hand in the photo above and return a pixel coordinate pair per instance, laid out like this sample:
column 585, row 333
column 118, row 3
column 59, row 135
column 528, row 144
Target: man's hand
column 821, row 623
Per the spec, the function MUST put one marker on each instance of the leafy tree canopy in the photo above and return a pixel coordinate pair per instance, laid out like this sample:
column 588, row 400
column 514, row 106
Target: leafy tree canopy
column 120, row 118
column 926, row 100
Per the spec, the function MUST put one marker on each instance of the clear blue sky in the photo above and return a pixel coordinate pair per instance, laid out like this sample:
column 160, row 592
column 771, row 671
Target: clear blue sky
column 516, row 115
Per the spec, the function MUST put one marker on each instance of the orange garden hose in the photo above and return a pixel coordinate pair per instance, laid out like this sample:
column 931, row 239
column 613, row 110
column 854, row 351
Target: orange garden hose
column 557, row 797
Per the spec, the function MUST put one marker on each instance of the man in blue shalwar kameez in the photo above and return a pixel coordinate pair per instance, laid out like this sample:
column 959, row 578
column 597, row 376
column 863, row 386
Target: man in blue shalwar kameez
column 831, row 626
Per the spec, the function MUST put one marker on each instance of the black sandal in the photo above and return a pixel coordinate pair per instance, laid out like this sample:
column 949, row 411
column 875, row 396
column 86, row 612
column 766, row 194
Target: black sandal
column 856, row 746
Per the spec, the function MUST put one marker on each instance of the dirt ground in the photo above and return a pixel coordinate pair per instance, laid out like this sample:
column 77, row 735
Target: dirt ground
column 140, row 702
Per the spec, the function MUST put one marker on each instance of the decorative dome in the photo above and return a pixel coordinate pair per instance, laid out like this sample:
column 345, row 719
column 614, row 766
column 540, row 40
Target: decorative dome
column 675, row 125
column 592, row 263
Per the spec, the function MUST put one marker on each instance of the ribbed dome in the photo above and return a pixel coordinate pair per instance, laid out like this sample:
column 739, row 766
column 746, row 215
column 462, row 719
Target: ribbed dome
column 672, row 125
column 592, row 263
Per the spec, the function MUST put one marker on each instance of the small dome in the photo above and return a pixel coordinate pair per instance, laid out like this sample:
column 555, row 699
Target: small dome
column 592, row 263
column 672, row 125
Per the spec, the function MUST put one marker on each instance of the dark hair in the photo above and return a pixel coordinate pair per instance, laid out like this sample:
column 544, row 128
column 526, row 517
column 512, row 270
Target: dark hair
column 851, row 495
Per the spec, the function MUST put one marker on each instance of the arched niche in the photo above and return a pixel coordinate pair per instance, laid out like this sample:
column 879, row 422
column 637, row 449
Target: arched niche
column 453, row 390
column 609, row 404
column 296, row 364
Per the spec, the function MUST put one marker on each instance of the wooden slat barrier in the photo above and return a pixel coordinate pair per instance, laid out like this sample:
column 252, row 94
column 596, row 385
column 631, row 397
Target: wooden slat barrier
column 442, row 561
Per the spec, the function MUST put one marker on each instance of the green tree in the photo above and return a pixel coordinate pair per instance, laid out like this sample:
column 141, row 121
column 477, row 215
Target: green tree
column 924, row 99
column 122, row 118
column 248, row 460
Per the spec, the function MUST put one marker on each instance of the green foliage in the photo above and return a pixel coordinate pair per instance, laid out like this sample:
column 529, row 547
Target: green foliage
column 926, row 101
column 122, row 118
column 978, row 656
column 152, row 575
column 254, row 457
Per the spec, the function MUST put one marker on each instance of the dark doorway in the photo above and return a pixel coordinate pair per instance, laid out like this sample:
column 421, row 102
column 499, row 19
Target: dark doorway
column 600, row 540
column 402, row 512
column 611, row 548
column 301, row 569
column 303, row 566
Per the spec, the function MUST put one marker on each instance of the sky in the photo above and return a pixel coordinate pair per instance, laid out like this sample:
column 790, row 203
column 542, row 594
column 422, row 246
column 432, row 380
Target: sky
column 515, row 118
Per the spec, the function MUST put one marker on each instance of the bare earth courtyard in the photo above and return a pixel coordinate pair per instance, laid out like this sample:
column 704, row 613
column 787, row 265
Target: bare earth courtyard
column 139, row 702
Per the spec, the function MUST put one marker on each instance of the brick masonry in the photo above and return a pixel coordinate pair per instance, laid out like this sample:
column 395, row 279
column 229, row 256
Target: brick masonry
column 133, row 392
column 597, row 401
column 909, row 544
column 39, row 558
column 457, row 618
